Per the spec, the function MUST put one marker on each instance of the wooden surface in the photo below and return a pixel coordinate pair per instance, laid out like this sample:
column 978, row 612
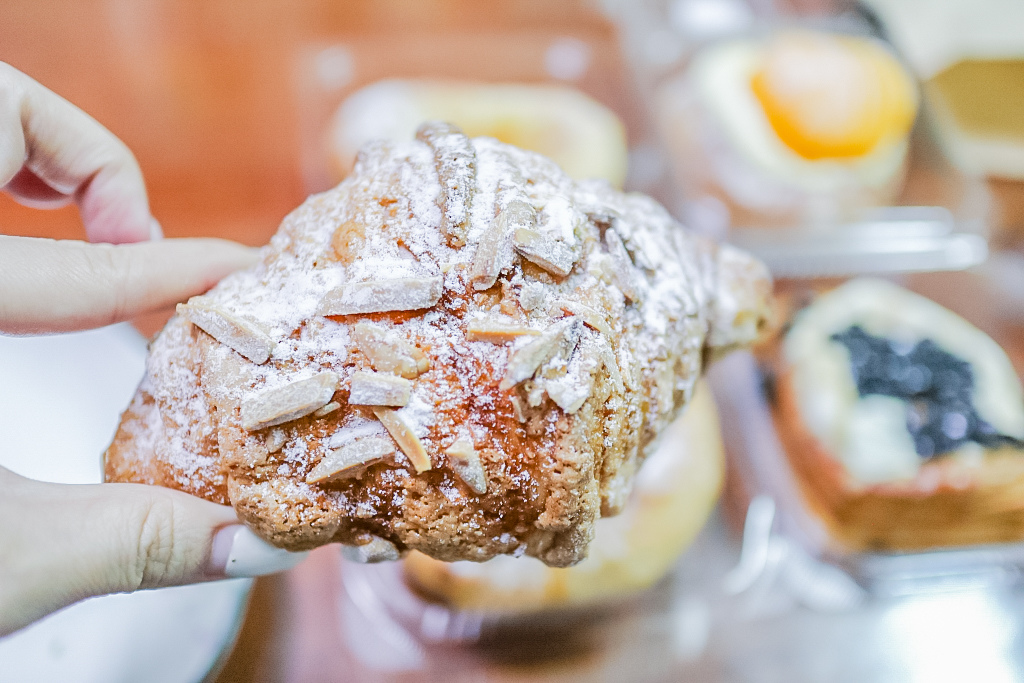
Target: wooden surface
column 291, row 630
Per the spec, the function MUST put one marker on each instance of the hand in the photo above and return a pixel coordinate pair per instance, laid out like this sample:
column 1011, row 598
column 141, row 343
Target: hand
column 60, row 543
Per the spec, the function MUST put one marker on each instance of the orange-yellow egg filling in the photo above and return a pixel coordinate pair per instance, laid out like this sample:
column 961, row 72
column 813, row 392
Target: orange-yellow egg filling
column 833, row 97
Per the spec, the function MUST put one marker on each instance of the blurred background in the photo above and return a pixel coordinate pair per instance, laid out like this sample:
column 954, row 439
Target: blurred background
column 208, row 94
column 903, row 159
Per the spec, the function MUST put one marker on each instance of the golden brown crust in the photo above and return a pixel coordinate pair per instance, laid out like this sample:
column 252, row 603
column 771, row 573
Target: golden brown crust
column 560, row 418
column 674, row 494
column 178, row 447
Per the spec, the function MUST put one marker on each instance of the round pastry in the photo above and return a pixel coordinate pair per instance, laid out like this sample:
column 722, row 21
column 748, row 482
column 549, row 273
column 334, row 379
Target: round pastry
column 458, row 350
column 578, row 133
column 798, row 128
column 903, row 422
column 675, row 491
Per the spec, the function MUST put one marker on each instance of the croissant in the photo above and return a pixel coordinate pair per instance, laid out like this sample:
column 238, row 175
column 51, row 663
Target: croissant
column 458, row 350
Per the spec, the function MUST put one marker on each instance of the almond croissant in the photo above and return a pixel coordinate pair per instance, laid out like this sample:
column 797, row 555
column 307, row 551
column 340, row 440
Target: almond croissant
column 458, row 350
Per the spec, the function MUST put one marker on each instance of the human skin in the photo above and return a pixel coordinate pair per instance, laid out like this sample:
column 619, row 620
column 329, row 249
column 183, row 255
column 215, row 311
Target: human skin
column 62, row 543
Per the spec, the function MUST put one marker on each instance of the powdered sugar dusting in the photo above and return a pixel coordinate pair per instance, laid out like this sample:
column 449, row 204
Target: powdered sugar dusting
column 356, row 428
column 418, row 414
column 415, row 214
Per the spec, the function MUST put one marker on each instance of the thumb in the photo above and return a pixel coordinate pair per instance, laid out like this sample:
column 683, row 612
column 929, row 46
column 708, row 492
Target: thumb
column 73, row 542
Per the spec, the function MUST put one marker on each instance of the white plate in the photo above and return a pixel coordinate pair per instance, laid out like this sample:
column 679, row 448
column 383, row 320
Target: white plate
column 85, row 380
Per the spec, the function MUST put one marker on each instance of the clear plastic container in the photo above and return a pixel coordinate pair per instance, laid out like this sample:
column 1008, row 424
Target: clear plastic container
column 393, row 634
column 923, row 214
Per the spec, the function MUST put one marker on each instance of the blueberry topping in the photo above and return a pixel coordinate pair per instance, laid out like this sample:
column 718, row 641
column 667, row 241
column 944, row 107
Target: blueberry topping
column 936, row 385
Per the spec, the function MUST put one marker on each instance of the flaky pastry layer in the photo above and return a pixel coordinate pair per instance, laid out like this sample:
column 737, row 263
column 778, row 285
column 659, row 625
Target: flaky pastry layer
column 458, row 350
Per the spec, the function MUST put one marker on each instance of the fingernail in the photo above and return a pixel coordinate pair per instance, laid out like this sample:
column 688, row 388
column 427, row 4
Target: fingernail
column 238, row 552
column 155, row 231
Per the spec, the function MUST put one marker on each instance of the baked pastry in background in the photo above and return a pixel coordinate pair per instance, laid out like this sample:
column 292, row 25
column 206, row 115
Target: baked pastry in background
column 675, row 491
column 578, row 133
column 797, row 128
column 458, row 350
column 903, row 422
column 970, row 60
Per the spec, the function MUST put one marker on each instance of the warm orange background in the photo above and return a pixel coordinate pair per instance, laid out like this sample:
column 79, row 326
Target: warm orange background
column 209, row 94
column 204, row 92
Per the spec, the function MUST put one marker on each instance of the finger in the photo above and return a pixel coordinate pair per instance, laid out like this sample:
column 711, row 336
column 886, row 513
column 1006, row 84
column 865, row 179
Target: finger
column 28, row 189
column 74, row 155
column 78, row 541
column 12, row 135
column 58, row 286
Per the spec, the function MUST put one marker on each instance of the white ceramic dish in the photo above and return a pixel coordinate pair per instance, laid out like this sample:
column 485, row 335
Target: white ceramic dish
column 162, row 636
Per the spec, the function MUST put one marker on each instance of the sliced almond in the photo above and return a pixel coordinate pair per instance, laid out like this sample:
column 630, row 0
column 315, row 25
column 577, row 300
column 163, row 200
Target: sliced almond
column 566, row 396
column 566, row 350
column 600, row 266
column 496, row 332
column 466, row 462
column 532, row 295
column 624, row 273
column 275, row 440
column 509, row 303
column 356, row 429
column 519, row 409
column 591, row 316
column 377, row 550
column 494, row 251
column 327, row 409
column 388, row 353
column 404, row 436
column 289, row 402
column 487, row 260
column 525, row 361
column 351, row 459
column 348, row 240
column 571, row 388
column 379, row 296
column 611, row 365
column 552, row 255
column 239, row 334
column 535, row 393
column 378, row 389
column 456, row 169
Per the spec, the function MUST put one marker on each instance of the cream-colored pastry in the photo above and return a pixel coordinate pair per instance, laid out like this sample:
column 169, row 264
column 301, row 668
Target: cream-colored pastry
column 827, row 393
column 579, row 134
column 801, row 125
column 970, row 58
column 904, row 423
